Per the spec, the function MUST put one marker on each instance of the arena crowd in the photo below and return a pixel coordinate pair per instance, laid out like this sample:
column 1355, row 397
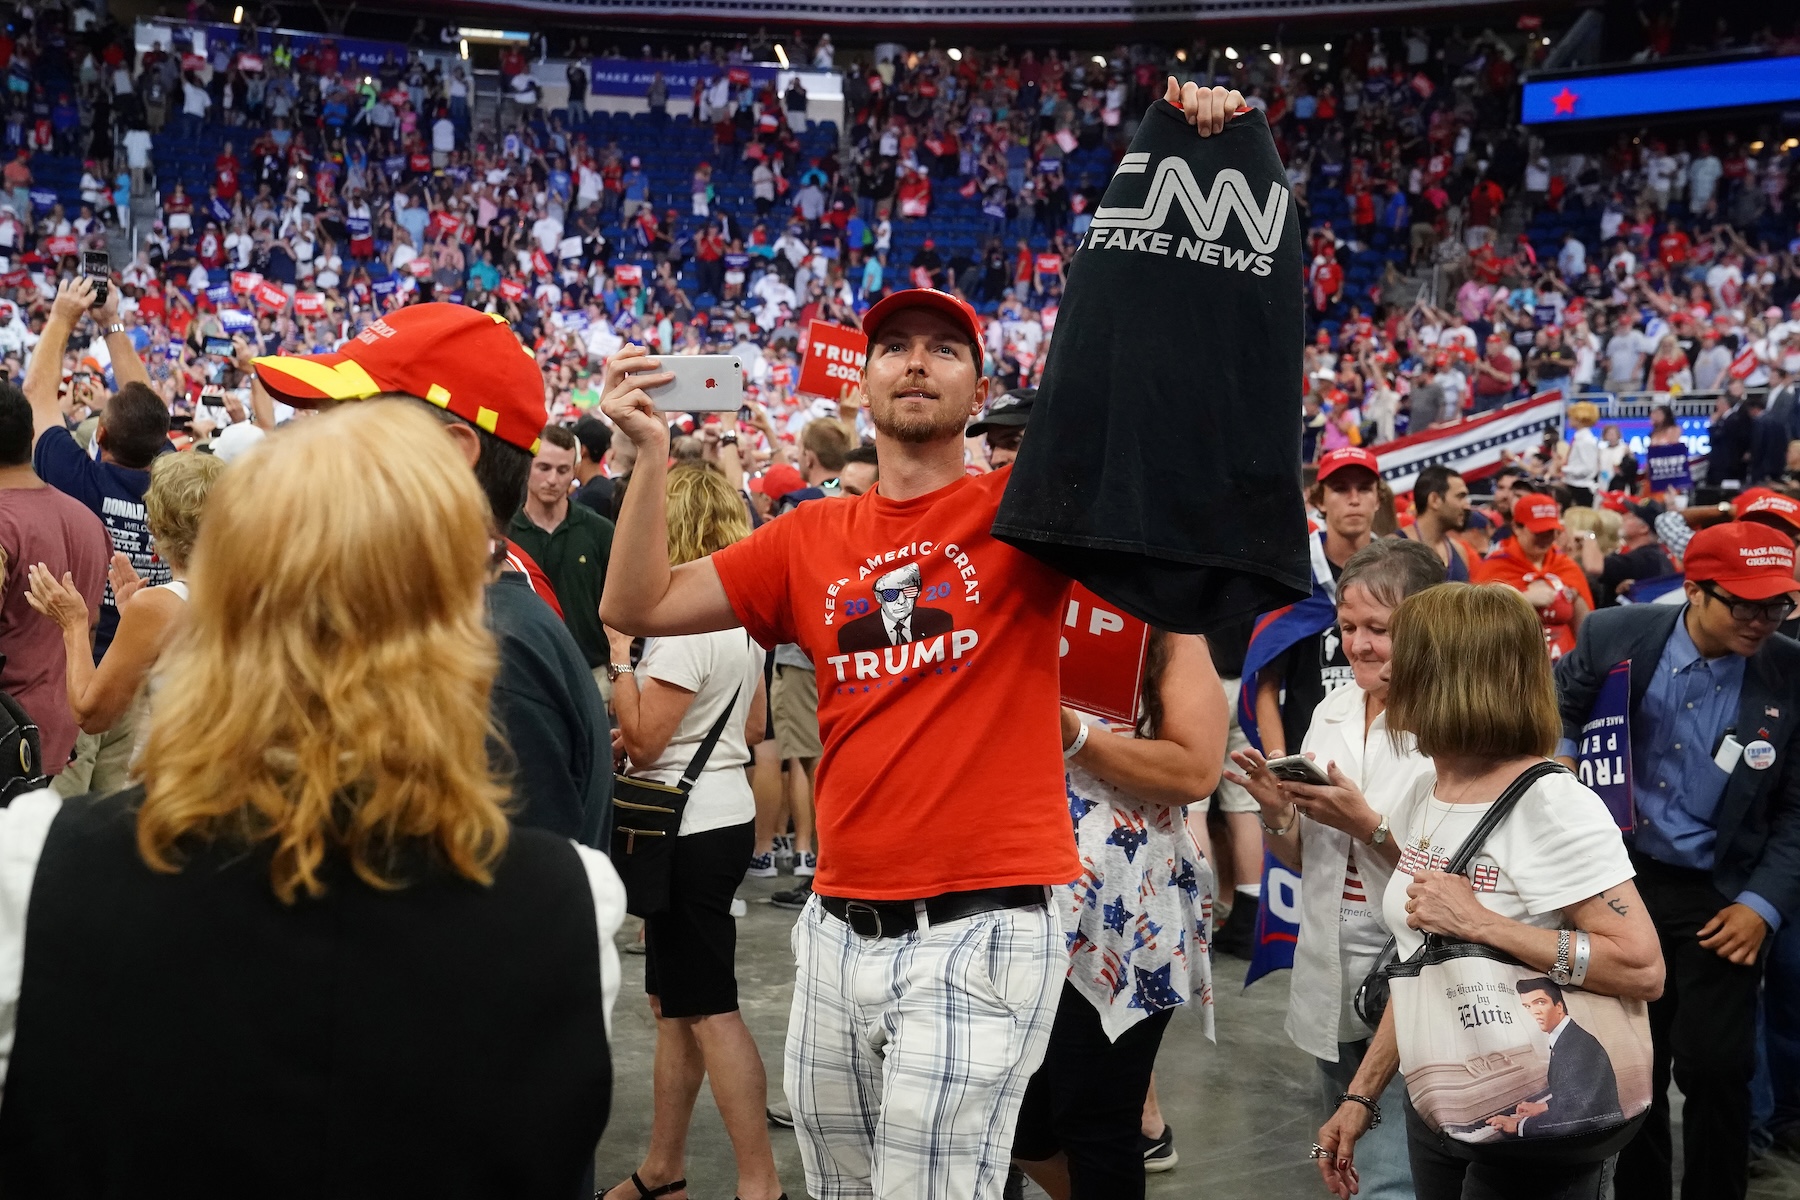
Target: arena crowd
column 348, row 318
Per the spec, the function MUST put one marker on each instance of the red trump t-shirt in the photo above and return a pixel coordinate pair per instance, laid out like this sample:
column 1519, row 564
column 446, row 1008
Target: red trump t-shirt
column 937, row 650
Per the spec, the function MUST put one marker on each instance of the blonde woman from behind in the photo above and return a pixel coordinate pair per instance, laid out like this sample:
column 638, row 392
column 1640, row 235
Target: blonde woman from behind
column 310, row 930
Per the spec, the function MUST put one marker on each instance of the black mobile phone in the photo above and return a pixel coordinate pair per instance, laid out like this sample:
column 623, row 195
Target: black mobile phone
column 221, row 347
column 97, row 266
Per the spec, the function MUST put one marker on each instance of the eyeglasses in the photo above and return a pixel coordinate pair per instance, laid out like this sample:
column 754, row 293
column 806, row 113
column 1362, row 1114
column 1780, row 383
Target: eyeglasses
column 1773, row 611
column 889, row 595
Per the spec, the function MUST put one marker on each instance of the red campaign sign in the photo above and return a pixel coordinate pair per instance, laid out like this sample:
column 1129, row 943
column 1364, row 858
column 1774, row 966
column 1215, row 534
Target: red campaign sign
column 271, row 296
column 443, row 222
column 512, row 289
column 245, row 282
column 739, row 76
column 1744, row 365
column 419, row 267
column 250, row 62
column 1049, row 264
column 834, row 357
column 539, row 263
column 628, row 275
column 19, row 278
column 1103, row 653
column 193, row 62
column 309, row 304
column 61, row 245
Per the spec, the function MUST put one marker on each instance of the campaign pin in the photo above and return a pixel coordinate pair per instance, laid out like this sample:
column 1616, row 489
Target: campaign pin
column 1760, row 755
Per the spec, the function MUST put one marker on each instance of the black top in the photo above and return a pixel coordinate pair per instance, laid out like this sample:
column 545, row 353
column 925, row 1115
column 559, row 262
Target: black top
column 189, row 1034
column 1645, row 562
column 1163, row 466
column 558, row 738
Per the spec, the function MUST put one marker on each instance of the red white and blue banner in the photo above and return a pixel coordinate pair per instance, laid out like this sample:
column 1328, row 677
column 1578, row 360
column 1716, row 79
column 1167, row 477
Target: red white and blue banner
column 1277, row 921
column 1603, row 756
column 1473, row 447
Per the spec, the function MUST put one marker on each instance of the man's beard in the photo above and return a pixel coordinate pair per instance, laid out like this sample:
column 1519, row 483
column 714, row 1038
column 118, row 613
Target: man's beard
column 916, row 428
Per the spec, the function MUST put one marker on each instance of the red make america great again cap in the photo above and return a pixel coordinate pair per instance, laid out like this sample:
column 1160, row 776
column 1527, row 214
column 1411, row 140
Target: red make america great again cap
column 464, row 361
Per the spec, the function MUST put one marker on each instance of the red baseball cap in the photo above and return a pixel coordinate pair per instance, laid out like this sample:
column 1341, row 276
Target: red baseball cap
column 939, row 302
column 1536, row 513
column 464, row 361
column 1748, row 560
column 1348, row 456
column 1772, row 509
column 778, row 481
column 1618, row 502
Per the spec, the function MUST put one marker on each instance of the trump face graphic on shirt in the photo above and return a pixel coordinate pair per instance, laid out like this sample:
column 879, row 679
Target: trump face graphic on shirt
column 897, row 618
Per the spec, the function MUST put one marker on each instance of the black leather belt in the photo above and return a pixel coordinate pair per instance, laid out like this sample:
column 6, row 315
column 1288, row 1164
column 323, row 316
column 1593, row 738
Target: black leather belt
column 896, row 918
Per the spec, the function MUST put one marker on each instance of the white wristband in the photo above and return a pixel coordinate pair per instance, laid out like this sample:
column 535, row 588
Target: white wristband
column 1076, row 745
column 1583, row 954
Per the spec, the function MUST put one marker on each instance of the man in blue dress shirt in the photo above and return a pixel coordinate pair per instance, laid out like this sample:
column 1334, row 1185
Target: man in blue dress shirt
column 1715, row 758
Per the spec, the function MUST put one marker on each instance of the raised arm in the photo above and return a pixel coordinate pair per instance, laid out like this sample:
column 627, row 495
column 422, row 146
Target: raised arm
column 127, row 366
column 643, row 597
column 43, row 375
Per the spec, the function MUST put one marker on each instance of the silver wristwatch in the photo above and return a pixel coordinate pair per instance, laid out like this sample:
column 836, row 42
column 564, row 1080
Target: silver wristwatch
column 614, row 670
column 1381, row 833
column 1559, row 973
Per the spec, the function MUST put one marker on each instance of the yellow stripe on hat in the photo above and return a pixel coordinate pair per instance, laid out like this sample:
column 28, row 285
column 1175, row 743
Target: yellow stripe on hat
column 535, row 443
column 345, row 381
column 439, row 395
column 487, row 418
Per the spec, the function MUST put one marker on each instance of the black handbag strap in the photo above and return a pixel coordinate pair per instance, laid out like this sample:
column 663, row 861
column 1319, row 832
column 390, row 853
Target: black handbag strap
column 697, row 763
column 1498, row 812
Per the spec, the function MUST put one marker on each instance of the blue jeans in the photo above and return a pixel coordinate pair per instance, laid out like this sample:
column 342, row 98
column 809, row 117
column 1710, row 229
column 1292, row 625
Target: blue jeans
column 1775, row 1089
column 1381, row 1156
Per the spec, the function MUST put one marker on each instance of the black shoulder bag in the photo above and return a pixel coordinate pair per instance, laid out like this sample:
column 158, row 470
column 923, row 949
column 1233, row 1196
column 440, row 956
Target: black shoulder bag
column 1371, row 998
column 647, row 820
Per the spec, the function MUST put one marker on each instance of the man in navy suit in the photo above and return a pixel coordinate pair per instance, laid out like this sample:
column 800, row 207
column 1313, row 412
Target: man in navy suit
column 1715, row 781
column 1584, row 1090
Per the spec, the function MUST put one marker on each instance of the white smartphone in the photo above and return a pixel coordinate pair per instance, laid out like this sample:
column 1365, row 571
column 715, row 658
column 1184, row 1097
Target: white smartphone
column 1297, row 768
column 702, row 383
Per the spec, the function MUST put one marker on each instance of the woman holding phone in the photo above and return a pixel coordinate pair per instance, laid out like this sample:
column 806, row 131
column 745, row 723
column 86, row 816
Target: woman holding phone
column 1336, row 835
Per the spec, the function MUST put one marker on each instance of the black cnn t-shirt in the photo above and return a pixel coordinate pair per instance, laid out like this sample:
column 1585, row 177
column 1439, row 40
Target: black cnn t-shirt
column 1163, row 466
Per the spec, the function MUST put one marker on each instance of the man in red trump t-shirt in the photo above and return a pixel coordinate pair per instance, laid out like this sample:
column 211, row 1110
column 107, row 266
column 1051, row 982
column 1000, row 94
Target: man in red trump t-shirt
column 927, row 982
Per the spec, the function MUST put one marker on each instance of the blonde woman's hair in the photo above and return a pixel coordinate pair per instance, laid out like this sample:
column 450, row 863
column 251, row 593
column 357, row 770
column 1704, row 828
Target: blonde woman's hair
column 1603, row 523
column 705, row 514
column 337, row 656
column 1583, row 414
column 1471, row 674
column 179, row 486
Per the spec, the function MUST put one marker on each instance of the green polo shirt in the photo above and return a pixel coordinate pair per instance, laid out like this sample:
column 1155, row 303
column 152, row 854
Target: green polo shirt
column 573, row 556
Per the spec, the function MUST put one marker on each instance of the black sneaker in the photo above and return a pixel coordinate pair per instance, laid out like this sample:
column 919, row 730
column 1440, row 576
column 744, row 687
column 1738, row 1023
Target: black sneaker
column 796, row 897
column 1159, row 1152
column 780, row 1114
column 1237, row 937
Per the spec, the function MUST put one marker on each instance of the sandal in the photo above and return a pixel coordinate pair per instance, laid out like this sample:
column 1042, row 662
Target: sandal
column 646, row 1193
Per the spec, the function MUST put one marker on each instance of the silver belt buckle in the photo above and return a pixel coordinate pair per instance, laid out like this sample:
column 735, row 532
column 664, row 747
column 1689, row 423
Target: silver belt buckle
column 854, row 909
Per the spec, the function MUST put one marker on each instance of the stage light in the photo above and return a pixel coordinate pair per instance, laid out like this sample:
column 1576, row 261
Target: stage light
column 1099, row 60
column 1275, row 57
column 1230, row 52
column 465, row 49
column 1305, row 59
column 237, row 16
column 955, row 54
column 781, row 56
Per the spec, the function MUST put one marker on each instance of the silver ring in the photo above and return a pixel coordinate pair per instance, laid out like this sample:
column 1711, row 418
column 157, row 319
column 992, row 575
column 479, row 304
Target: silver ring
column 1318, row 1151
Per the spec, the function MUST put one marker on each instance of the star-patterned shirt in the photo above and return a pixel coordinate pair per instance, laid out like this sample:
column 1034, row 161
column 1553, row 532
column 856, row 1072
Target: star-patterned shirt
column 1139, row 916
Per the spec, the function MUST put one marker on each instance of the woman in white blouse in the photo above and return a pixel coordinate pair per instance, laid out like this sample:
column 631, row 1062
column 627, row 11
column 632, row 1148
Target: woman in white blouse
column 1338, row 838
column 1470, row 683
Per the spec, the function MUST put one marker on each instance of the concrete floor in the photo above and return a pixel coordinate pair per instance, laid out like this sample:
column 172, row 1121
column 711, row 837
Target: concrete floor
column 1243, row 1110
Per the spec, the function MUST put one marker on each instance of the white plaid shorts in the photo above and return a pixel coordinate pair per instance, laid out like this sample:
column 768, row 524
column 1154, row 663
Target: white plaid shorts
column 907, row 1057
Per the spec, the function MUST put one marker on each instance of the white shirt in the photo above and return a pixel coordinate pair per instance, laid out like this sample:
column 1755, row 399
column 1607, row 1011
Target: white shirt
column 1557, row 848
column 712, row 666
column 137, row 149
column 25, row 826
column 1582, row 469
column 1341, row 881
